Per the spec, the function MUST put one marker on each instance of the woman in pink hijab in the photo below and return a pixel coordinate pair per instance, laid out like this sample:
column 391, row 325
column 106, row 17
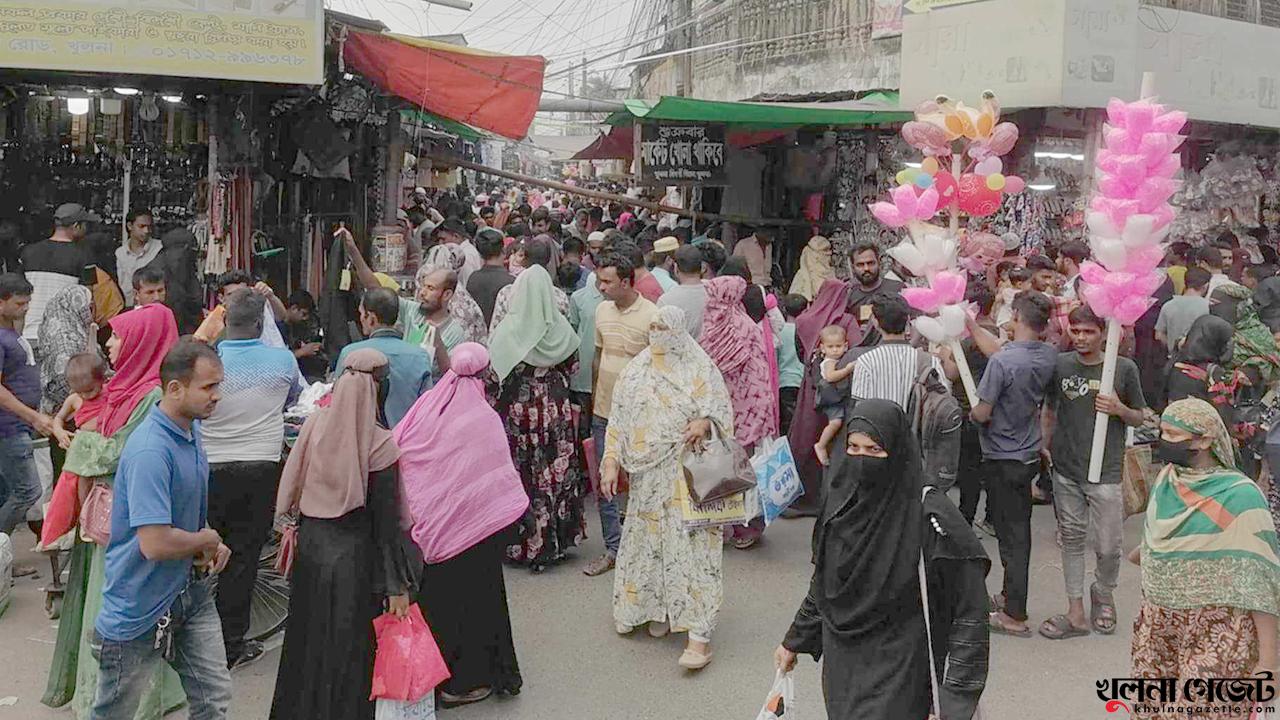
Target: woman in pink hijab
column 733, row 341
column 464, row 496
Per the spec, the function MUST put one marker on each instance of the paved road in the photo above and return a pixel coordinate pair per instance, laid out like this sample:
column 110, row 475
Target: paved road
column 575, row 666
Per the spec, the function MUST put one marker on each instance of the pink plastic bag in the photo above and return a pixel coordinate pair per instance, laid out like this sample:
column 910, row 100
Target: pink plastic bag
column 408, row 664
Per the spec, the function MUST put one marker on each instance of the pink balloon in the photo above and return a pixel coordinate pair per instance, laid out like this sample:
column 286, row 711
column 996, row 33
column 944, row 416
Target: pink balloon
column 949, row 286
column 1003, row 137
column 927, row 204
column 990, row 166
column 1014, row 184
column 926, row 137
column 945, row 184
column 976, row 198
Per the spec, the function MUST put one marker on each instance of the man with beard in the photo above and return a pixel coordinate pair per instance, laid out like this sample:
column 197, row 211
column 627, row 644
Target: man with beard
column 867, row 286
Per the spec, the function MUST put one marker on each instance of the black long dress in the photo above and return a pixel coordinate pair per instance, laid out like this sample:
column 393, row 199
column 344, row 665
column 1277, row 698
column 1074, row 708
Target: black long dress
column 343, row 570
column 863, row 616
column 464, row 600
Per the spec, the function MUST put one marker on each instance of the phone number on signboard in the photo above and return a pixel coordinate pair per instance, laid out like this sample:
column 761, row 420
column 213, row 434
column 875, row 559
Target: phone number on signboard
column 232, row 57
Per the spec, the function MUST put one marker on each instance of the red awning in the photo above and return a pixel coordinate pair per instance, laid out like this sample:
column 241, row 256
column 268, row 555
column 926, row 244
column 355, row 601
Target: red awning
column 498, row 93
column 617, row 144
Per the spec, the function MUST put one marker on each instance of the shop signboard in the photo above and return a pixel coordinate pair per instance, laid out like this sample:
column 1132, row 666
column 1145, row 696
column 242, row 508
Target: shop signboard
column 279, row 41
column 679, row 153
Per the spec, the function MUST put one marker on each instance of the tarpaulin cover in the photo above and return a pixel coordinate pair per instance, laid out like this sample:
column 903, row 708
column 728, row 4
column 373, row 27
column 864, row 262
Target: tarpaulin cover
column 880, row 109
column 499, row 93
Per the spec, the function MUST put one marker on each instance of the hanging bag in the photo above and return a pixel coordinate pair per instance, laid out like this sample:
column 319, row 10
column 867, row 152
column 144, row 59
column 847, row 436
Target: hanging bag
column 780, row 704
column 95, row 516
column 722, row 468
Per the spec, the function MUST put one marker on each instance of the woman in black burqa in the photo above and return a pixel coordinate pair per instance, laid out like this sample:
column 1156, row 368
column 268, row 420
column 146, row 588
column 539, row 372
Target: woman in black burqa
column 863, row 614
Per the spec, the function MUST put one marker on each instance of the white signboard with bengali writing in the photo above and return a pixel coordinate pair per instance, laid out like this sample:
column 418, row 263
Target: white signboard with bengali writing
column 279, row 41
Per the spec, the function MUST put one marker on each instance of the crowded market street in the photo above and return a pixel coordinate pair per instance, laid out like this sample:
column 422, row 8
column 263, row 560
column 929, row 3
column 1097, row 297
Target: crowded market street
column 579, row 668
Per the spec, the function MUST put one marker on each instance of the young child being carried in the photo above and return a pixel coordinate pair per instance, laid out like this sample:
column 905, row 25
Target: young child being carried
column 833, row 386
column 86, row 374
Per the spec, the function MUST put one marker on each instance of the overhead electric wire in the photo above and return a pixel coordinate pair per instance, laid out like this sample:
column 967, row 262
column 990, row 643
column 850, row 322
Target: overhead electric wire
column 663, row 33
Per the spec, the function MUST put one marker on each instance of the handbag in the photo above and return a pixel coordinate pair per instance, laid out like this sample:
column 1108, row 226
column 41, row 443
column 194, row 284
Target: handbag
column 719, row 470
column 95, row 516
column 1136, row 479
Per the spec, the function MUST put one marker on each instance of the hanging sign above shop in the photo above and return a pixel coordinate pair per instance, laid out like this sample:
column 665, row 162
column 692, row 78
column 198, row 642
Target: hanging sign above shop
column 677, row 153
column 278, row 41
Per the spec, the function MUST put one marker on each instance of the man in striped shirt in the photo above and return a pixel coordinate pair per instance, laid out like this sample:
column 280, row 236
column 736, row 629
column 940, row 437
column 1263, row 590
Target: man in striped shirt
column 888, row 371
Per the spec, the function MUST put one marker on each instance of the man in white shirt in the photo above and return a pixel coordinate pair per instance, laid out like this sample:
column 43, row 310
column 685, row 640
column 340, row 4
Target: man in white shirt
column 244, row 439
column 138, row 249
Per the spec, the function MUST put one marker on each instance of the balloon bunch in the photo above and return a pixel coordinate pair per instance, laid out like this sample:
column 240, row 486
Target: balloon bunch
column 1130, row 213
column 970, row 141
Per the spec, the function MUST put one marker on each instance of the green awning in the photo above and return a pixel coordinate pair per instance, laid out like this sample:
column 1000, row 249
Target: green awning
column 411, row 117
column 875, row 109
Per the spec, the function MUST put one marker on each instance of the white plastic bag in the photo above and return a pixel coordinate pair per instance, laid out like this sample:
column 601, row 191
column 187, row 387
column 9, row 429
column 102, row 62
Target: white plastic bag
column 777, row 479
column 424, row 709
column 6, row 572
column 780, row 704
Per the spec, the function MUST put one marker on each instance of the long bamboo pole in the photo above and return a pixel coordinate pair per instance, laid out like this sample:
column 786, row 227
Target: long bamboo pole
column 611, row 197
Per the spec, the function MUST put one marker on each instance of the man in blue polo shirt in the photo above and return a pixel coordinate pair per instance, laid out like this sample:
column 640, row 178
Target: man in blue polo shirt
column 410, row 364
column 157, row 603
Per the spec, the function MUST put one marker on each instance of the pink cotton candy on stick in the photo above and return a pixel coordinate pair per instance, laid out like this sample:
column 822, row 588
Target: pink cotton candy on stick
column 1167, row 167
column 1170, row 122
column 888, row 214
column 1155, row 192
column 925, row 300
column 949, row 286
column 1113, row 186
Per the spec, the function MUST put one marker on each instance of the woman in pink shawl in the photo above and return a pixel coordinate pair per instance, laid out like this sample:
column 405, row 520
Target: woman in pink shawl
column 828, row 308
column 464, row 496
column 733, row 341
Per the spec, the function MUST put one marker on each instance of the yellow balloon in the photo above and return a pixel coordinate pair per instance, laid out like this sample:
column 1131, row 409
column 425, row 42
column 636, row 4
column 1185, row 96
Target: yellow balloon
column 930, row 165
column 903, row 177
column 995, row 181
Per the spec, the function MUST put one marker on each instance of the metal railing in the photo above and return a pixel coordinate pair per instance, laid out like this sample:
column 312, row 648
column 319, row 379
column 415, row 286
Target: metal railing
column 1260, row 12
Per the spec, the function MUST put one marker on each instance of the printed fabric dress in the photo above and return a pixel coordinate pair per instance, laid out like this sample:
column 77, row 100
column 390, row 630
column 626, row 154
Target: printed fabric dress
column 535, row 405
column 1209, row 560
column 664, row 572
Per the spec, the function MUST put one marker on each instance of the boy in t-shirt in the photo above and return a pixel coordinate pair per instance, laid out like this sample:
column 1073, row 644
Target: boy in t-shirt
column 790, row 368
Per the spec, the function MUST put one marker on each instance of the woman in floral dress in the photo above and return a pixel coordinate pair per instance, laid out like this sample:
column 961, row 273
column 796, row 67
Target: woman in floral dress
column 534, row 354
column 667, row 576
column 1210, row 570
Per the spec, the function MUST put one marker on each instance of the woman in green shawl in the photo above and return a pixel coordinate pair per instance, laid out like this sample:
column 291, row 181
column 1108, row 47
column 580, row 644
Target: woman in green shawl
column 140, row 339
column 533, row 350
column 1210, row 570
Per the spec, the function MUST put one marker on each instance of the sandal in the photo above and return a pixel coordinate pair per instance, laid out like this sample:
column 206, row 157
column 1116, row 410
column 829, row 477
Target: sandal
column 1102, row 613
column 448, row 700
column 743, row 543
column 690, row 660
column 1059, row 627
column 998, row 628
column 997, row 603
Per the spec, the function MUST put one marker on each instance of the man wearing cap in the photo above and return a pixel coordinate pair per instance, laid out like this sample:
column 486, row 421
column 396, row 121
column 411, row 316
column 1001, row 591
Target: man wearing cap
column 662, row 261
column 596, row 242
column 57, row 262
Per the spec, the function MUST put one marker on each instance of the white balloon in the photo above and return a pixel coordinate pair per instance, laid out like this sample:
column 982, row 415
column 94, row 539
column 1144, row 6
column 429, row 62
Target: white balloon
column 930, row 328
column 910, row 257
column 1138, row 231
column 952, row 320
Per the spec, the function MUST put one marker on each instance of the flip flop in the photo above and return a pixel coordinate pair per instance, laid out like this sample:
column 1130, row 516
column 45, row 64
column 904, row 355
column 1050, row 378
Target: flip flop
column 1102, row 613
column 998, row 628
column 1059, row 627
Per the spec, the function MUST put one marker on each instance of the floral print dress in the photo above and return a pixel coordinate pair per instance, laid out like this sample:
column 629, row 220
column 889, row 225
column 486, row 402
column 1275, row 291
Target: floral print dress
column 535, row 405
column 665, row 572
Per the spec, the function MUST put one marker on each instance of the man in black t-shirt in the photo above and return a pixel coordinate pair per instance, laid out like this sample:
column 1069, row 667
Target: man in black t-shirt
column 1071, row 404
column 867, row 285
column 57, row 262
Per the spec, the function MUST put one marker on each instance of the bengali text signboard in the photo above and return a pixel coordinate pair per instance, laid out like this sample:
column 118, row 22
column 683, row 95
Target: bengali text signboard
column 277, row 41
column 675, row 153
